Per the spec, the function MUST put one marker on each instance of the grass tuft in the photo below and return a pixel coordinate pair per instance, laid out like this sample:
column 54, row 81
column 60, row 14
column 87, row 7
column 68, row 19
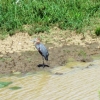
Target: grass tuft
column 97, row 31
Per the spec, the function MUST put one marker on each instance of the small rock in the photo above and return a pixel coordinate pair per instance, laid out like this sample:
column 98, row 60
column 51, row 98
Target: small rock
column 57, row 73
column 16, row 73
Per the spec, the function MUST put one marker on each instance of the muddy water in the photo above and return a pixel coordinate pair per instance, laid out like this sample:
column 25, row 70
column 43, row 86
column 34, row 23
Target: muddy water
column 79, row 82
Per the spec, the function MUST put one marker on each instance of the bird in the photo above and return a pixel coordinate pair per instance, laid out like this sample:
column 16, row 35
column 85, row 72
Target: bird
column 41, row 49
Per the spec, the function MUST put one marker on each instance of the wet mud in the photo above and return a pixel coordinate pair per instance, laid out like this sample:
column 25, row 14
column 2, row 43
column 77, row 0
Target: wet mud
column 28, row 61
column 17, row 54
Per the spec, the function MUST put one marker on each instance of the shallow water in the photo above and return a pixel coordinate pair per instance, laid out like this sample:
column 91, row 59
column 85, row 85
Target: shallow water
column 75, row 81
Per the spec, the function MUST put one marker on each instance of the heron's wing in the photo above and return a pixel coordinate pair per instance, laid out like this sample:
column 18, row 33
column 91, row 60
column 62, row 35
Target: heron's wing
column 40, row 51
column 44, row 50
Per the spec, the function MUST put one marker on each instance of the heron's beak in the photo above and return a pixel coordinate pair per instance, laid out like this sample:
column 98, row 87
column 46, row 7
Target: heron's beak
column 33, row 41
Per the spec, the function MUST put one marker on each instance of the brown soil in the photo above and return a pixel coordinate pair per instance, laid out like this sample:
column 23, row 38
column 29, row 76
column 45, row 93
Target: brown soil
column 18, row 54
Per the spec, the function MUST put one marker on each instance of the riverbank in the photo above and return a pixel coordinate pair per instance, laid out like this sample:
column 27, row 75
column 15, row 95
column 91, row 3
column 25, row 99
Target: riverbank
column 18, row 54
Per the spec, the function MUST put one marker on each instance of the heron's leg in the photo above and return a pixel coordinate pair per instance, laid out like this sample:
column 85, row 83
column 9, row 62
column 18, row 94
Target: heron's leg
column 43, row 61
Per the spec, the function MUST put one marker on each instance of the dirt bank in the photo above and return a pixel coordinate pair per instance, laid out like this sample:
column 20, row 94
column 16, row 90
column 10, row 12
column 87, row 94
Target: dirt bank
column 18, row 54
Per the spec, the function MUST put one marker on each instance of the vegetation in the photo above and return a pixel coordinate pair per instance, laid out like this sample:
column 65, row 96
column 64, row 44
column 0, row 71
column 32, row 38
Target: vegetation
column 15, row 88
column 97, row 31
column 4, row 84
column 82, row 53
column 42, row 14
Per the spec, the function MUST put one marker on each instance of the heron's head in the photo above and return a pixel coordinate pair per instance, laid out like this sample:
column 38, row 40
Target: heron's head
column 36, row 41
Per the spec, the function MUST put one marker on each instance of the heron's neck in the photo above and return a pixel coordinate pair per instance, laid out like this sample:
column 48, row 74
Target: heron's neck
column 37, row 43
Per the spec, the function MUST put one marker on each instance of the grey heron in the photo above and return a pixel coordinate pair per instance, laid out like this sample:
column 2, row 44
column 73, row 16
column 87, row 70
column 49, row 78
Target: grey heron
column 41, row 49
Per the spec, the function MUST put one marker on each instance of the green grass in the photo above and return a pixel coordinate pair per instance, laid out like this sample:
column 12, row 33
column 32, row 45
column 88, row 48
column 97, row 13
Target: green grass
column 97, row 31
column 82, row 53
column 43, row 14
column 5, row 59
